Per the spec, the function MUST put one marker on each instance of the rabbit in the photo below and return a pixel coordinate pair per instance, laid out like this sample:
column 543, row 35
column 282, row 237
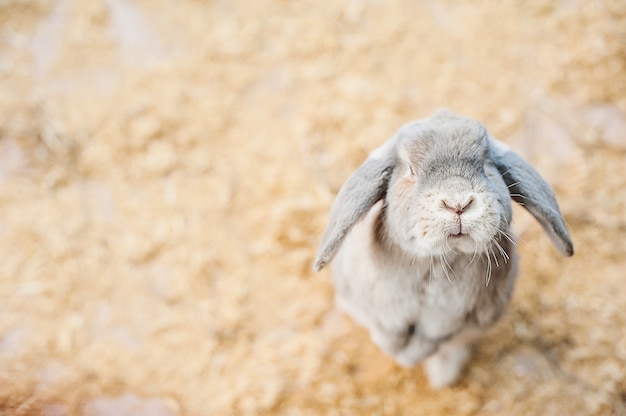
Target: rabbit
column 424, row 256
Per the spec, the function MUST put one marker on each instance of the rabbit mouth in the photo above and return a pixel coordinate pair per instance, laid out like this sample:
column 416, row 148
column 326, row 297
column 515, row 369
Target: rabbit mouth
column 461, row 235
column 461, row 241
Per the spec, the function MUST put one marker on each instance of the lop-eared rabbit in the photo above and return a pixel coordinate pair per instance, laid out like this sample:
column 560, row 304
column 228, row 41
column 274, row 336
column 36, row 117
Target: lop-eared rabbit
column 424, row 256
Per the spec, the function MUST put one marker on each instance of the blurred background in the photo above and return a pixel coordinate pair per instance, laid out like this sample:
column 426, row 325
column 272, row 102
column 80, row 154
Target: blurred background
column 166, row 172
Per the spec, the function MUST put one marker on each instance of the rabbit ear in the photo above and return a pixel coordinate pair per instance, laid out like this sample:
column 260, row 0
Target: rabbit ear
column 529, row 189
column 361, row 191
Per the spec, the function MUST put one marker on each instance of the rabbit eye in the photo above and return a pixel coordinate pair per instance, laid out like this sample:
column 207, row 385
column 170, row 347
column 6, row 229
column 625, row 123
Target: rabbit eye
column 411, row 170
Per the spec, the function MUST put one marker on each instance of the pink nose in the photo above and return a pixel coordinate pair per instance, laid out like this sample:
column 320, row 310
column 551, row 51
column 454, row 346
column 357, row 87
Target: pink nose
column 457, row 208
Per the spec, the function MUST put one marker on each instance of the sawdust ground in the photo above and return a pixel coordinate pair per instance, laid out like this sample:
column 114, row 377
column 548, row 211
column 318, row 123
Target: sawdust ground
column 166, row 173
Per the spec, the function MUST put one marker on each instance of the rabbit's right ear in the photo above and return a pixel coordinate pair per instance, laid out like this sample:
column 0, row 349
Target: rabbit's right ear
column 361, row 191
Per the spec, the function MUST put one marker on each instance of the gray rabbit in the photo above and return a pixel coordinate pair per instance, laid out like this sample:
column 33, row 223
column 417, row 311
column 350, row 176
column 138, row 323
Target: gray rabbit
column 424, row 255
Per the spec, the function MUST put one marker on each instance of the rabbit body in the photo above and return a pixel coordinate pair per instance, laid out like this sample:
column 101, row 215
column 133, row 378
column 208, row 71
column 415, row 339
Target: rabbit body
column 414, row 311
column 425, row 258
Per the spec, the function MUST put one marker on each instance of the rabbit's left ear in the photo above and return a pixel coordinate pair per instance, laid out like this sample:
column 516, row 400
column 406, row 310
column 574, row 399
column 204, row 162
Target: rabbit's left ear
column 529, row 189
column 361, row 191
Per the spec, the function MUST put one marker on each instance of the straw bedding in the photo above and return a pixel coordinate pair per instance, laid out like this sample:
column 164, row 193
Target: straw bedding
column 166, row 171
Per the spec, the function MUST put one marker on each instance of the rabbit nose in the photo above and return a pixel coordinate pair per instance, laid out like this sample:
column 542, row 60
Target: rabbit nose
column 457, row 207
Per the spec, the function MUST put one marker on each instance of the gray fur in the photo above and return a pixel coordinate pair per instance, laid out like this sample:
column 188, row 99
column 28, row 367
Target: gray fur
column 529, row 189
column 366, row 186
column 425, row 257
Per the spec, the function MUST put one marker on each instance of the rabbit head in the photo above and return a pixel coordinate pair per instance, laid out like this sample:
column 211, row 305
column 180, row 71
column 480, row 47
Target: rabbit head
column 446, row 186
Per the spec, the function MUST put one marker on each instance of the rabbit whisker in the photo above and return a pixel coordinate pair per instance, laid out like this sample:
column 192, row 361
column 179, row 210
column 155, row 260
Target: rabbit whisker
column 495, row 258
column 507, row 171
column 488, row 275
column 446, row 266
column 513, row 184
column 474, row 256
column 519, row 196
column 503, row 252
column 433, row 263
column 450, row 248
column 508, row 237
